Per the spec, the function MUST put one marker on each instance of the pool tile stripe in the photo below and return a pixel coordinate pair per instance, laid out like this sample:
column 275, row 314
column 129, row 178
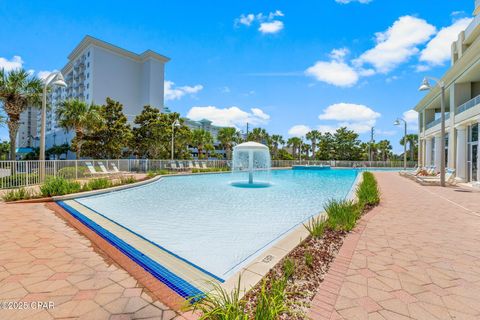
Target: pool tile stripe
column 177, row 284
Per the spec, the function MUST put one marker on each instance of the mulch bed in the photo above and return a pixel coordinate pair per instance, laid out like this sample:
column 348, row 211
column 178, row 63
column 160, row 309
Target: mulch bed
column 303, row 285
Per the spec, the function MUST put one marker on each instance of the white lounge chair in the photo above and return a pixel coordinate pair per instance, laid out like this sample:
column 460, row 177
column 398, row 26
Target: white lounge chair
column 173, row 166
column 428, row 180
column 204, row 165
column 196, row 164
column 180, row 165
column 92, row 170
column 190, row 165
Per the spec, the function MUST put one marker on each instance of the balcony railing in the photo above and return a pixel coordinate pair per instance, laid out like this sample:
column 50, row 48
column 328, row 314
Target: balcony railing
column 468, row 105
column 437, row 121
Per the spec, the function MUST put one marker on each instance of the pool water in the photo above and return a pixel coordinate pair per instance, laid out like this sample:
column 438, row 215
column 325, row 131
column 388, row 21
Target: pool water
column 214, row 225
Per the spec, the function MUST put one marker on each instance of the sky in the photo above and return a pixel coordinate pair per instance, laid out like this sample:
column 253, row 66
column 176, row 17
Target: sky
column 287, row 66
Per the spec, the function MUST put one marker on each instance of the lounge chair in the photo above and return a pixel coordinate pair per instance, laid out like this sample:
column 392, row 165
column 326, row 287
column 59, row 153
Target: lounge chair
column 413, row 172
column 104, row 169
column 190, row 165
column 429, row 180
column 180, row 165
column 173, row 166
column 92, row 170
column 196, row 164
column 204, row 165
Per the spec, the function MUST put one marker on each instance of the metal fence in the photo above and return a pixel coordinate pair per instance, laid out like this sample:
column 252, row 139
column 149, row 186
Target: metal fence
column 15, row 174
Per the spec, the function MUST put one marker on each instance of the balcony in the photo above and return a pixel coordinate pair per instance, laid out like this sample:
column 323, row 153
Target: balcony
column 468, row 105
column 473, row 30
column 437, row 121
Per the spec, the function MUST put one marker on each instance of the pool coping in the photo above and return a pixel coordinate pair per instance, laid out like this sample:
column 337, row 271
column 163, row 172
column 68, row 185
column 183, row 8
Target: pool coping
column 260, row 262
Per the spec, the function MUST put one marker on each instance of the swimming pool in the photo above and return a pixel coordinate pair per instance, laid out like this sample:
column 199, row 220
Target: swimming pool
column 215, row 227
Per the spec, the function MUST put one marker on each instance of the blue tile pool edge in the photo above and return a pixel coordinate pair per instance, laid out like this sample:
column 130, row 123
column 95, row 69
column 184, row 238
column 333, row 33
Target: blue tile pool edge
column 177, row 284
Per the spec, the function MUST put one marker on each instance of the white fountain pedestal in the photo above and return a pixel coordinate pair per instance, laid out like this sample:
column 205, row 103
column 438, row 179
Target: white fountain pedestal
column 253, row 159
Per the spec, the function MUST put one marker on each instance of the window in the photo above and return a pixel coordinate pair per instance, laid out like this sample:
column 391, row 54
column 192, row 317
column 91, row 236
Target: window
column 88, row 64
column 88, row 85
column 88, row 54
column 88, row 75
column 87, row 96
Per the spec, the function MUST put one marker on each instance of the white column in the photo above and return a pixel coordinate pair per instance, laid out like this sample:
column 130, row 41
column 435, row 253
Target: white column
column 428, row 153
column 451, row 148
column 461, row 163
column 438, row 151
column 420, row 152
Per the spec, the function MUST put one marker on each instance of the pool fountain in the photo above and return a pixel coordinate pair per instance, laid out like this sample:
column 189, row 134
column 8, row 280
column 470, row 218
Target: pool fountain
column 253, row 159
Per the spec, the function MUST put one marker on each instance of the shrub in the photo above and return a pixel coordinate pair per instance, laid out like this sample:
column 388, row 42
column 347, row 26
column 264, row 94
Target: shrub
column 288, row 268
column 96, row 184
column 342, row 214
column 69, row 172
column 214, row 169
column 367, row 192
column 127, row 180
column 154, row 173
column 58, row 187
column 17, row 194
column 271, row 301
column 219, row 304
column 308, row 259
column 316, row 226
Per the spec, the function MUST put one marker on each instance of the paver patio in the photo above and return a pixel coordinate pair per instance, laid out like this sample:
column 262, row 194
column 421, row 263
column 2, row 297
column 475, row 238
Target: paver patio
column 44, row 259
column 416, row 256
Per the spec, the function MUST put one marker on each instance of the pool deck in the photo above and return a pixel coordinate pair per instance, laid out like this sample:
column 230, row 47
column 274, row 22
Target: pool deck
column 415, row 256
column 43, row 258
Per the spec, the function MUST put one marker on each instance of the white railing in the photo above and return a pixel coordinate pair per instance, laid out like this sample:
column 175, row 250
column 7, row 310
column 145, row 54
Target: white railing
column 468, row 105
column 437, row 121
column 15, row 174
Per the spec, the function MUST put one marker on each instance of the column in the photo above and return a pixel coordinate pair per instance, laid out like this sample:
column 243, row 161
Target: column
column 428, row 153
column 452, row 142
column 461, row 161
column 420, row 153
column 438, row 153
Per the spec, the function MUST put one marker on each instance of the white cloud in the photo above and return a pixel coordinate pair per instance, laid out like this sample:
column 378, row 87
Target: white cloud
column 268, row 23
column 438, row 50
column 229, row 117
column 245, row 19
column 397, row 44
column 337, row 73
column 350, row 1
column 348, row 112
column 385, row 132
column 226, row 89
column 323, row 128
column 411, row 116
column 299, row 130
column 356, row 117
column 8, row 65
column 176, row 93
column 271, row 27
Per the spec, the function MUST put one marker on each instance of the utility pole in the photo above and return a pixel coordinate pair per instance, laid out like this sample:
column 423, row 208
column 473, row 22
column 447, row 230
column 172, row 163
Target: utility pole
column 370, row 156
column 246, row 138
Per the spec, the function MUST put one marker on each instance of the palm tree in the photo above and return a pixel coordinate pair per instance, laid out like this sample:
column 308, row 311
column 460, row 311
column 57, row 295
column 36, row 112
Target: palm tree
column 294, row 143
column 201, row 138
column 412, row 140
column 384, row 147
column 276, row 140
column 78, row 116
column 314, row 136
column 18, row 91
column 228, row 137
column 259, row 135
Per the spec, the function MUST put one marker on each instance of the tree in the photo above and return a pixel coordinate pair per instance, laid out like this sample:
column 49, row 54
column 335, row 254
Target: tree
column 314, row 136
column 294, row 143
column 57, row 151
column 412, row 140
column 284, row 155
column 259, row 135
column 276, row 140
column 77, row 115
column 305, row 149
column 228, row 137
column 4, row 150
column 152, row 135
column 384, row 148
column 18, row 90
column 200, row 139
column 346, row 145
column 326, row 147
column 111, row 136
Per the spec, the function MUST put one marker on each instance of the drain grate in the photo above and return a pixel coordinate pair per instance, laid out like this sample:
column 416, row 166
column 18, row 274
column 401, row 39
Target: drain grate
column 267, row 258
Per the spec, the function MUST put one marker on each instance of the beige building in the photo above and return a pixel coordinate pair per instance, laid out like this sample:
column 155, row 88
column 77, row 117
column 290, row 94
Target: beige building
column 462, row 106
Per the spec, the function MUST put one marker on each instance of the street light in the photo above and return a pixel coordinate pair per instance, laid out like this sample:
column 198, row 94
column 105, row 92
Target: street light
column 397, row 123
column 425, row 86
column 174, row 124
column 54, row 79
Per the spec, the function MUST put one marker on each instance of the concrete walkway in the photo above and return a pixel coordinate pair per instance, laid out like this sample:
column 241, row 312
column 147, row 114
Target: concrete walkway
column 416, row 256
column 44, row 259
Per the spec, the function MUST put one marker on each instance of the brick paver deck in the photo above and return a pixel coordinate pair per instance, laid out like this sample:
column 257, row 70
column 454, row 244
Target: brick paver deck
column 44, row 259
column 416, row 256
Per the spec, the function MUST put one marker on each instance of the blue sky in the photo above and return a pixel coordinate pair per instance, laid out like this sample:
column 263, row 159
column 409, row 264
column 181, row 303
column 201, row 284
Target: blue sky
column 282, row 65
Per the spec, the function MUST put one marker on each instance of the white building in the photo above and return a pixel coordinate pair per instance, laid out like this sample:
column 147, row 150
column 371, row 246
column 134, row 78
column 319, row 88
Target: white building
column 207, row 126
column 462, row 95
column 97, row 70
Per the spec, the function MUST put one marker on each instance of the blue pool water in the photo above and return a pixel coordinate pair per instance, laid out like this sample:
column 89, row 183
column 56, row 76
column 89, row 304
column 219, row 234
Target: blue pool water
column 216, row 226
